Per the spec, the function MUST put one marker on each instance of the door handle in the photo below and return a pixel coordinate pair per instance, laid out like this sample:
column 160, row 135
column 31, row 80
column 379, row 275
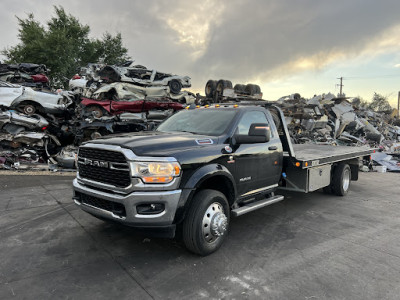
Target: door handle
column 272, row 147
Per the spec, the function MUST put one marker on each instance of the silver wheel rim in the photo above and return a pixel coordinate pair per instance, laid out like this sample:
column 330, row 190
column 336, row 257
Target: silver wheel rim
column 215, row 223
column 346, row 179
column 29, row 109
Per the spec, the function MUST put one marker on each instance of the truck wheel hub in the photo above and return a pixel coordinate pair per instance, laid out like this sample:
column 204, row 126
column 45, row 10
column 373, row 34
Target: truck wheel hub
column 218, row 224
column 215, row 223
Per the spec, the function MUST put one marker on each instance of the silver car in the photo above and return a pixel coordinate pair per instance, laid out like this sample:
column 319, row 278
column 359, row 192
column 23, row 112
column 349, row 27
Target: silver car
column 141, row 76
column 29, row 101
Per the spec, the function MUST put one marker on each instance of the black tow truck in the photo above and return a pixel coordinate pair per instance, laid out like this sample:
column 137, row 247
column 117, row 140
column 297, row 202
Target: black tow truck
column 201, row 167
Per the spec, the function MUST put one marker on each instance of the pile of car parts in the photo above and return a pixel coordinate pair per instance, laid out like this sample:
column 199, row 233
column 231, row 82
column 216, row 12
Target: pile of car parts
column 44, row 129
column 331, row 120
column 25, row 74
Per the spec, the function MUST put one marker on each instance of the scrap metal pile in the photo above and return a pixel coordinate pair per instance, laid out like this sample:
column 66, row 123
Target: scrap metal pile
column 42, row 130
column 330, row 120
column 31, row 75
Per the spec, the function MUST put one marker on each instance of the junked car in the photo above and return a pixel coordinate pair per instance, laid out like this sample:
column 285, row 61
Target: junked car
column 116, row 107
column 142, row 76
column 119, row 97
column 29, row 101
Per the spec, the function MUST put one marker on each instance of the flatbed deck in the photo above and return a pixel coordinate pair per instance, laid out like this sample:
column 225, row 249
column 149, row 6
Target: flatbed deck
column 314, row 155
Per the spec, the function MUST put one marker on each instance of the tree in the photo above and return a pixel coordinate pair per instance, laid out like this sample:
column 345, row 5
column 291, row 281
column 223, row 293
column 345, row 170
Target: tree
column 63, row 46
column 380, row 103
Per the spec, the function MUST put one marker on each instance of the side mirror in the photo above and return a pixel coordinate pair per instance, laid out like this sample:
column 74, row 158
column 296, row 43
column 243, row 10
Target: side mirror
column 258, row 133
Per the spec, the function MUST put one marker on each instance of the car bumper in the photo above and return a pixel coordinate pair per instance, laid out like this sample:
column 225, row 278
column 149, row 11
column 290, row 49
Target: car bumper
column 123, row 208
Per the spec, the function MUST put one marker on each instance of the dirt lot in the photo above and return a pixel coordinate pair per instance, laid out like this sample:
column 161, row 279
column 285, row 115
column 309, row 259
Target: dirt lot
column 310, row 246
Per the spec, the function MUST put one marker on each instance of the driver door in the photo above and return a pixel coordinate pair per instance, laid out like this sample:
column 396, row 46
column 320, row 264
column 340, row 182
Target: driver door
column 256, row 164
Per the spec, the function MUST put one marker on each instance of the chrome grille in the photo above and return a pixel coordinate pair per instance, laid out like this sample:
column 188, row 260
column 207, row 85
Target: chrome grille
column 115, row 173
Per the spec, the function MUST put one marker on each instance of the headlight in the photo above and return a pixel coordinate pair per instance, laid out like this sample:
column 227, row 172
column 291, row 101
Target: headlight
column 155, row 172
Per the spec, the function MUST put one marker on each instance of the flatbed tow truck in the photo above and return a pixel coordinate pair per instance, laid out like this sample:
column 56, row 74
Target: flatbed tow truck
column 202, row 166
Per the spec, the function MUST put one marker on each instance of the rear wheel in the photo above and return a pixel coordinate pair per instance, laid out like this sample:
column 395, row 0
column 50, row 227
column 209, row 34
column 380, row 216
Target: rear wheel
column 206, row 223
column 175, row 86
column 28, row 109
column 341, row 179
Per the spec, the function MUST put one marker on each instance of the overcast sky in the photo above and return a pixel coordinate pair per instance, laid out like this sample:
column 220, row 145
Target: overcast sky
column 284, row 46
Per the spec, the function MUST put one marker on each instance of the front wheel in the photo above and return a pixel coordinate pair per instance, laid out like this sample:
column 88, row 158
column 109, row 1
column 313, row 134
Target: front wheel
column 206, row 223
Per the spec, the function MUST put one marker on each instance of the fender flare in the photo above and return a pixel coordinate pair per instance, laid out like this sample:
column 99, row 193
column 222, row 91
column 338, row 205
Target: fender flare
column 197, row 178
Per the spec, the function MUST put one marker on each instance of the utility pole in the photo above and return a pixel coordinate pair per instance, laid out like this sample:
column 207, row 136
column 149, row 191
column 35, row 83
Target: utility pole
column 398, row 106
column 341, row 86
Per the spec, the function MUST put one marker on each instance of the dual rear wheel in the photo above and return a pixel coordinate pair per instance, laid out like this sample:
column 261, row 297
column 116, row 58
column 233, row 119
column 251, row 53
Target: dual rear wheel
column 340, row 183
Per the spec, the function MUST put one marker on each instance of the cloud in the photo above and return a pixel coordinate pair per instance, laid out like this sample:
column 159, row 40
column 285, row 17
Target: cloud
column 245, row 41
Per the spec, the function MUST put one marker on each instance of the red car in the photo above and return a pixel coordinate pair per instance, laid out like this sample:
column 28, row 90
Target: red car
column 115, row 107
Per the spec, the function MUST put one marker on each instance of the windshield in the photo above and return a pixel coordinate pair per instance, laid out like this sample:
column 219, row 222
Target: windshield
column 199, row 121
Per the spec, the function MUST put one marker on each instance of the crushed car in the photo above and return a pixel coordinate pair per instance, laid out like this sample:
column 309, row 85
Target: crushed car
column 120, row 97
column 142, row 76
column 29, row 101
column 26, row 74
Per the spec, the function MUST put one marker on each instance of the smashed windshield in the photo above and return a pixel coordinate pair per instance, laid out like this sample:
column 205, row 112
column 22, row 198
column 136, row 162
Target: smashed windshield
column 199, row 121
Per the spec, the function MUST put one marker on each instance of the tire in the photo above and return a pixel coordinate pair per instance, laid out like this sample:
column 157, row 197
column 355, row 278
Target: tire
column 341, row 179
column 28, row 109
column 252, row 89
column 206, row 224
column 175, row 86
column 240, row 88
column 223, row 84
column 97, row 111
column 210, row 88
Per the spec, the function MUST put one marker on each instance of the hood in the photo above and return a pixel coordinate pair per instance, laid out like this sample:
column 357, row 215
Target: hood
column 155, row 143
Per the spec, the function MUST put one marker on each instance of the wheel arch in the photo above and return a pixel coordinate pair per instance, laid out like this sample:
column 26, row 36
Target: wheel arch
column 17, row 103
column 216, row 177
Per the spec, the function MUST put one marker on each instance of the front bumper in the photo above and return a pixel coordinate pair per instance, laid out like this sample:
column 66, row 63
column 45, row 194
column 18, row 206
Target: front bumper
column 130, row 201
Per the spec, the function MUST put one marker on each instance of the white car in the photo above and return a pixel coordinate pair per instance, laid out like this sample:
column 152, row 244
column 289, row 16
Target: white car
column 29, row 101
column 141, row 76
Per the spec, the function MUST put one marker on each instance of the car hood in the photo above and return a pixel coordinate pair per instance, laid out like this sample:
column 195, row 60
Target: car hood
column 157, row 143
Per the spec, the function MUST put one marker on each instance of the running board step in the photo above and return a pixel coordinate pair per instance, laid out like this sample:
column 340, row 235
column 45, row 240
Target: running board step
column 255, row 205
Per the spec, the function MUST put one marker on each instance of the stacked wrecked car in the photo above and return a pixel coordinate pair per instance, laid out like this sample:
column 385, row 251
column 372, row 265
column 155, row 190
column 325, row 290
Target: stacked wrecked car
column 26, row 74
